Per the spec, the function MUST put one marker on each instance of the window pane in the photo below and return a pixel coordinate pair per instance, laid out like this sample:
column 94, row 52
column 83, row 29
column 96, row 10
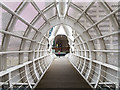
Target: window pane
column 43, row 3
column 12, row 5
column 39, row 22
column 12, row 60
column 26, row 13
column 31, row 34
column 50, row 13
column 27, row 45
column 14, row 43
column 19, row 28
column 73, row 13
column 5, row 19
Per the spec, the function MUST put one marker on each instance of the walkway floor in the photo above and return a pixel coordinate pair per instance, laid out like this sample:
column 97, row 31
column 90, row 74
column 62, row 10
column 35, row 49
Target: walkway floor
column 61, row 74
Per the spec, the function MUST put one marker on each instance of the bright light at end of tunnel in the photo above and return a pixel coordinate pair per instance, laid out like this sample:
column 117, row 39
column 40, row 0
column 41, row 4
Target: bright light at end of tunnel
column 61, row 31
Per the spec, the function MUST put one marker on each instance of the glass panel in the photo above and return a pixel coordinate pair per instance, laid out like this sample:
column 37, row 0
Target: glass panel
column 26, row 13
column 92, row 33
column 81, row 4
column 12, row 5
column 97, row 44
column 113, row 5
column 12, row 60
column 99, row 56
column 31, row 34
column 5, row 18
column 112, row 58
column 115, row 41
column 39, row 22
column 118, row 17
column 19, row 28
column 109, row 75
column 27, row 45
column 37, row 46
column 14, row 43
column 96, row 12
column 43, row 3
column 111, row 42
column 25, row 57
column 50, row 13
column 105, row 27
column 74, row 13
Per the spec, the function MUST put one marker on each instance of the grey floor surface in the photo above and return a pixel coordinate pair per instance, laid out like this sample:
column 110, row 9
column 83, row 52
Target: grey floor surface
column 61, row 74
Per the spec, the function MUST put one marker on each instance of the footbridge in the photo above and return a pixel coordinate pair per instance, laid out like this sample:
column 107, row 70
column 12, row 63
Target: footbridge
column 29, row 31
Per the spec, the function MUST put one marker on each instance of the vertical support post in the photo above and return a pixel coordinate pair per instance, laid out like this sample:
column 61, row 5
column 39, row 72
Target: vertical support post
column 118, row 83
column 34, row 66
column 10, row 83
column 1, row 63
column 26, row 73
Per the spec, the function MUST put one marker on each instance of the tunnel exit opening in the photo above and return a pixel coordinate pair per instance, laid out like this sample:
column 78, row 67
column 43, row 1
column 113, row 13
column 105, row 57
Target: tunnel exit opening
column 60, row 45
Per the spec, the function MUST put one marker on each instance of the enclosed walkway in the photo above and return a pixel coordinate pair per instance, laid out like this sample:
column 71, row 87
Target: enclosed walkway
column 33, row 32
column 62, row 74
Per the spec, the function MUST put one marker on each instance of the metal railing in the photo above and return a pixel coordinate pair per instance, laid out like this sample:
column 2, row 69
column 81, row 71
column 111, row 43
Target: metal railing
column 28, row 73
column 103, row 78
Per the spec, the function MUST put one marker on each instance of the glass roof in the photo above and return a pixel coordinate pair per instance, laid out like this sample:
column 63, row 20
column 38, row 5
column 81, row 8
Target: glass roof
column 92, row 28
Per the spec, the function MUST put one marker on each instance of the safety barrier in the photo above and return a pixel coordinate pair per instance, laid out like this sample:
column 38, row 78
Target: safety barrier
column 94, row 72
column 25, row 75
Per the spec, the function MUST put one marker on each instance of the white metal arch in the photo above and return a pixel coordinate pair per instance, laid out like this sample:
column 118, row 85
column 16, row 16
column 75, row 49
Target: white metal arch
column 96, row 71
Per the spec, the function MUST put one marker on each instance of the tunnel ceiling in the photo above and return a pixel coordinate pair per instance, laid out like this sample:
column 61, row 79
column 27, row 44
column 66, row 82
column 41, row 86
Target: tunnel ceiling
column 25, row 26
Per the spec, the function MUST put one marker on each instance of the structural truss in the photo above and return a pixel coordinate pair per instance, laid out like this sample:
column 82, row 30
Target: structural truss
column 24, row 38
